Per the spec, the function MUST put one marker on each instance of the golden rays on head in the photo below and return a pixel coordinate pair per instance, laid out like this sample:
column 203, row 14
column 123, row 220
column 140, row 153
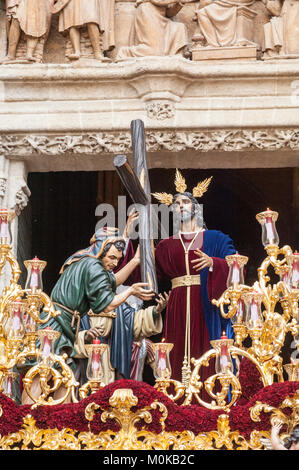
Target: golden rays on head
column 181, row 187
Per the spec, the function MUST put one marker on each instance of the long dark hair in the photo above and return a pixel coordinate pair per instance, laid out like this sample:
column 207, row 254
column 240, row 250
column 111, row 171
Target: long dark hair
column 195, row 207
column 119, row 245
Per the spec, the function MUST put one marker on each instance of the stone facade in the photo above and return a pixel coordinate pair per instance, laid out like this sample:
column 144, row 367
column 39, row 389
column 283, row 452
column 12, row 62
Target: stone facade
column 202, row 108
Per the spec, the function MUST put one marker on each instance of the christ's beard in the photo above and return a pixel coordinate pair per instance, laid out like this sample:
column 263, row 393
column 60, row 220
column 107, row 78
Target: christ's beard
column 187, row 216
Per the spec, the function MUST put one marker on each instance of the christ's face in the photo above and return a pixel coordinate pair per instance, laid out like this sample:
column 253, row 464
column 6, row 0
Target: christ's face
column 183, row 208
column 111, row 258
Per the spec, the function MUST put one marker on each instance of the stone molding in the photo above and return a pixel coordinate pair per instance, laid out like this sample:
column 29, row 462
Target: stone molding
column 157, row 140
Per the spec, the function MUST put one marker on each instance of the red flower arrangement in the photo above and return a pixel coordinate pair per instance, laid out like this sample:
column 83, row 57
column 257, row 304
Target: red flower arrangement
column 250, row 380
column 192, row 418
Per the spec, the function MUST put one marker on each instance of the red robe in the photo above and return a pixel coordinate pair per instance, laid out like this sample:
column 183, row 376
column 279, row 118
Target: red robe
column 170, row 263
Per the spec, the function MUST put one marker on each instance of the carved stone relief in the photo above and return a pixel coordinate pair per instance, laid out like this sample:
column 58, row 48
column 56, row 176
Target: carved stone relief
column 153, row 32
column 172, row 141
column 160, row 110
column 28, row 24
column 80, row 32
column 21, row 198
column 281, row 33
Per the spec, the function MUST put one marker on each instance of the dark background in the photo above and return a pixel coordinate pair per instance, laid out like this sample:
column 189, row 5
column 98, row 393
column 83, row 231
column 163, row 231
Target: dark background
column 60, row 218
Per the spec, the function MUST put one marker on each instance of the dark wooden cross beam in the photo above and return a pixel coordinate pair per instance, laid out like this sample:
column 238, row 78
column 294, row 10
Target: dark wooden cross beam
column 136, row 181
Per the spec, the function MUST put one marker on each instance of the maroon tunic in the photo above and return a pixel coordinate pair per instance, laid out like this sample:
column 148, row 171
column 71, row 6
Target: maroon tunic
column 170, row 263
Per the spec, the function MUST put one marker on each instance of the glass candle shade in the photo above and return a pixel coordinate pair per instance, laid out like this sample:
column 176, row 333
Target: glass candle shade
column 224, row 363
column 14, row 327
column 236, row 265
column 8, row 384
column 34, row 274
column 29, row 324
column 95, row 366
column 285, row 274
column 268, row 219
column 254, row 316
column 162, row 367
column 294, row 277
column 239, row 317
column 47, row 338
column 6, row 218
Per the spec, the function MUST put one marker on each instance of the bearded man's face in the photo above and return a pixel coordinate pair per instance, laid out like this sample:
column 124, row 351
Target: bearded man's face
column 184, row 208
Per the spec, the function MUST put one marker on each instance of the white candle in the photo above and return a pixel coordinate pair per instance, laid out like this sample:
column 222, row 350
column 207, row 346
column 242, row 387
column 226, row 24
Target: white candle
column 270, row 230
column 235, row 273
column 254, row 310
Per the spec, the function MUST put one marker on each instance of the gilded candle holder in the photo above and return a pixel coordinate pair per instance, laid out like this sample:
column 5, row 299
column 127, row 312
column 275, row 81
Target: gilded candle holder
column 218, row 345
column 46, row 356
column 270, row 242
column 7, row 383
column 292, row 370
column 240, row 261
column 95, row 380
column 241, row 333
column 6, row 217
column 162, row 367
column 32, row 266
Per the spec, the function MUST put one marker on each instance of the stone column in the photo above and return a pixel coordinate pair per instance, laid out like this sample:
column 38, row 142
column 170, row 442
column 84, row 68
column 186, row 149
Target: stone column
column 3, row 37
column 14, row 195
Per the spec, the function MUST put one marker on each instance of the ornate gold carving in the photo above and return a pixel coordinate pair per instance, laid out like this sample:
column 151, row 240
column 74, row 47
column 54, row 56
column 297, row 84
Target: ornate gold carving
column 277, row 414
column 163, row 198
column 202, row 187
column 130, row 438
column 32, row 437
column 180, row 182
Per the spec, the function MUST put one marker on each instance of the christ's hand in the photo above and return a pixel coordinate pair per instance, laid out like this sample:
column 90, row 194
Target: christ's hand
column 162, row 301
column 203, row 261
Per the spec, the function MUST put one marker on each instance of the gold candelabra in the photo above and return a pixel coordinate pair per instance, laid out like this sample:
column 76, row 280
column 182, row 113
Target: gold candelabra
column 262, row 313
column 24, row 345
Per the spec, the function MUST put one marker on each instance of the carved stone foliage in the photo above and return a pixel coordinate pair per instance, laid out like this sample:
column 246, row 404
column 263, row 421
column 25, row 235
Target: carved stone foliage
column 160, row 110
column 171, row 141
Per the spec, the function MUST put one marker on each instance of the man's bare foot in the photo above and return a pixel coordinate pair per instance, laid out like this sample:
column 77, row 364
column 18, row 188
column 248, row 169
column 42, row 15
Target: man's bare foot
column 7, row 59
column 74, row 56
column 99, row 56
column 30, row 58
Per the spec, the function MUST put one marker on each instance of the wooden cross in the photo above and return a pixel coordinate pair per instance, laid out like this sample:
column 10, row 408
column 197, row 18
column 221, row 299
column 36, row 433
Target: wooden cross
column 136, row 182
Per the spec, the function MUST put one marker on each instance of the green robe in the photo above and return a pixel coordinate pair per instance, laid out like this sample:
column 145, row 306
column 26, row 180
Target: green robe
column 84, row 285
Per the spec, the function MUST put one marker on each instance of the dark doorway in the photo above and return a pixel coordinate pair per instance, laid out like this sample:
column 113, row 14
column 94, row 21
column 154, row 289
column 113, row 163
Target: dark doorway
column 62, row 217
column 62, row 210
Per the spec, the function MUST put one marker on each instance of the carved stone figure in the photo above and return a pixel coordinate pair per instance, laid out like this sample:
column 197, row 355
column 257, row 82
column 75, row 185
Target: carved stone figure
column 97, row 16
column 281, row 33
column 219, row 25
column 153, row 32
column 30, row 18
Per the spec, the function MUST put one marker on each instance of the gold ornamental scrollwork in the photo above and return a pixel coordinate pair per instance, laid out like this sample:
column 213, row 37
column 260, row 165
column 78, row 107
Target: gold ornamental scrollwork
column 162, row 385
column 31, row 437
column 61, row 378
column 277, row 414
column 129, row 437
column 230, row 385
